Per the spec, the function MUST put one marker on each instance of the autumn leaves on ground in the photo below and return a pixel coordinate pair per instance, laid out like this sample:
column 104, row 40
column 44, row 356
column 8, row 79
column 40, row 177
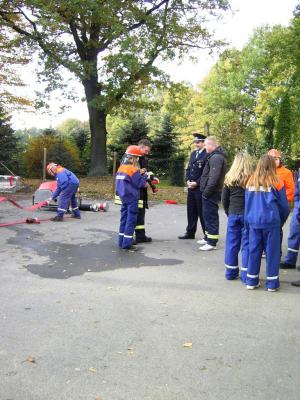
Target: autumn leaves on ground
column 103, row 188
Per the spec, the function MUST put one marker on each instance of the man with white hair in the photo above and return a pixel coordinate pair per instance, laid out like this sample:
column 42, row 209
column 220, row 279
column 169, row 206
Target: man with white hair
column 211, row 185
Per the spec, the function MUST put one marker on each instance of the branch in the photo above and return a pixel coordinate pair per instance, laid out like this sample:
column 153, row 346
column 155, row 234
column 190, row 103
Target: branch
column 149, row 12
column 107, row 42
column 79, row 44
column 36, row 37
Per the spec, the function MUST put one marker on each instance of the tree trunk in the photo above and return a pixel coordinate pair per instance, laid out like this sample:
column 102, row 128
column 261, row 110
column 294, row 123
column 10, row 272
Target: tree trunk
column 97, row 121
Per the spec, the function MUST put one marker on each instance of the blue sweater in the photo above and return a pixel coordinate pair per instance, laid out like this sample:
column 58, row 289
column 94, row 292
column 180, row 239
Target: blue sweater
column 266, row 208
column 64, row 177
column 129, row 181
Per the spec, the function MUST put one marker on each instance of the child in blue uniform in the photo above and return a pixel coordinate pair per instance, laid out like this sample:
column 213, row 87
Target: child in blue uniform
column 67, row 186
column 129, row 181
column 290, row 260
column 266, row 211
column 233, row 200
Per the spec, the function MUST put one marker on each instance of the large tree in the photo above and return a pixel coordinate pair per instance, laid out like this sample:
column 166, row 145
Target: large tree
column 110, row 46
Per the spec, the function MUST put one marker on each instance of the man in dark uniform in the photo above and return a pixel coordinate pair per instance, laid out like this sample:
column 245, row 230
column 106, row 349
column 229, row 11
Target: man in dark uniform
column 211, row 186
column 194, row 197
column 140, row 234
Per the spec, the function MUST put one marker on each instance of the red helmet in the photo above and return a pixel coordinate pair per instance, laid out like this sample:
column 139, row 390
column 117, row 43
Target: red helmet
column 51, row 168
column 274, row 153
column 134, row 151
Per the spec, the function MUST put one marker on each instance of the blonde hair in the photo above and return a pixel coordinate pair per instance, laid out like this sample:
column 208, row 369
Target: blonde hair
column 130, row 159
column 240, row 171
column 265, row 174
column 213, row 139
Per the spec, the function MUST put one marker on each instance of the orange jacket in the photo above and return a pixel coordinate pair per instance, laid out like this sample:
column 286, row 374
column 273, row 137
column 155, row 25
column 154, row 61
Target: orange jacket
column 287, row 177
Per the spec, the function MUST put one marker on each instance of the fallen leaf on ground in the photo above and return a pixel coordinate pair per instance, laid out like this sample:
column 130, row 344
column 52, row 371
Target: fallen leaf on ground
column 30, row 359
column 188, row 344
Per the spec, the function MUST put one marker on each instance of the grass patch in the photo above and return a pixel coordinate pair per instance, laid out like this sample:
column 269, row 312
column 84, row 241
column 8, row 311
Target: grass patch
column 102, row 188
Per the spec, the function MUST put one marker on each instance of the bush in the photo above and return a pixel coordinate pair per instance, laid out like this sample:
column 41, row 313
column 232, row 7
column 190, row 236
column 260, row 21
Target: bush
column 59, row 150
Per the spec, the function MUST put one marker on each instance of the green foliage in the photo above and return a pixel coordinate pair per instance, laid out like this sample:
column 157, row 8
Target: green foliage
column 176, row 174
column 78, row 132
column 165, row 141
column 13, row 54
column 9, row 145
column 131, row 133
column 251, row 96
column 164, row 151
column 284, row 131
column 110, row 47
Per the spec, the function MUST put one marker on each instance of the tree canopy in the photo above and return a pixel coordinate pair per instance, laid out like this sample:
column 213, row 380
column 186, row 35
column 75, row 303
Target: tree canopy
column 111, row 47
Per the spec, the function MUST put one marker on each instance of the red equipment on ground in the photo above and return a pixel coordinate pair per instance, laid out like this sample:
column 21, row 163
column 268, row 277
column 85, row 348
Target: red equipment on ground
column 46, row 189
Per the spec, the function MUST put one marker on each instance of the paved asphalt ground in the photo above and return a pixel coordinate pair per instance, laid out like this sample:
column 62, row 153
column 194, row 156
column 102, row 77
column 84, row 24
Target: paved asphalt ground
column 83, row 320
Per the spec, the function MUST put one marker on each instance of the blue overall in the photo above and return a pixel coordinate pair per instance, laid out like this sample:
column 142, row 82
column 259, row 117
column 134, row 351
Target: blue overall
column 294, row 234
column 129, row 181
column 67, row 185
column 266, row 212
column 236, row 238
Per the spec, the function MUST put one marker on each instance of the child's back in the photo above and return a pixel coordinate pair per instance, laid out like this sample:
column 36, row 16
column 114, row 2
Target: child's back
column 266, row 211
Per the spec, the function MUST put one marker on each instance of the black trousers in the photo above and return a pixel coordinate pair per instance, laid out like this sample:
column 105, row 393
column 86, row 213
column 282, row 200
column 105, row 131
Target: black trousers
column 194, row 211
column 140, row 224
column 211, row 217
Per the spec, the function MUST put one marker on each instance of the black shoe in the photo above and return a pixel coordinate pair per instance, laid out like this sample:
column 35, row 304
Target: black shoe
column 130, row 248
column 284, row 265
column 296, row 283
column 75, row 216
column 186, row 236
column 145, row 239
column 57, row 219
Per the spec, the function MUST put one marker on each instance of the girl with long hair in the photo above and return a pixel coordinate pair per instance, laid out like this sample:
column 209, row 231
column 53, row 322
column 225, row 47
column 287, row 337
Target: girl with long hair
column 266, row 211
column 233, row 199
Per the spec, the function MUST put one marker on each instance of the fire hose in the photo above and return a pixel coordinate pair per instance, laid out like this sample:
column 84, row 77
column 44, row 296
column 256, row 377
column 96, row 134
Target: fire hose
column 32, row 208
column 86, row 207
column 27, row 220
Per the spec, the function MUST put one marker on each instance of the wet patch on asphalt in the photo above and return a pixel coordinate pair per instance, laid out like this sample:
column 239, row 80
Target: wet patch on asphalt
column 66, row 260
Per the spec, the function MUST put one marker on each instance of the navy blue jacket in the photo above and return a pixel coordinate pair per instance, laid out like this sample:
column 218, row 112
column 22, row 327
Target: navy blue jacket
column 196, row 166
column 64, row 177
column 129, row 181
column 266, row 208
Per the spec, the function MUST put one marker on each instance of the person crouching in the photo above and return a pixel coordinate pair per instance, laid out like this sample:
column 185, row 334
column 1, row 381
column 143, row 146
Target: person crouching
column 67, row 186
column 129, row 181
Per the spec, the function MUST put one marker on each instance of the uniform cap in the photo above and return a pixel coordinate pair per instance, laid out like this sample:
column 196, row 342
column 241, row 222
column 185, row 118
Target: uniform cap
column 198, row 137
column 134, row 151
column 274, row 153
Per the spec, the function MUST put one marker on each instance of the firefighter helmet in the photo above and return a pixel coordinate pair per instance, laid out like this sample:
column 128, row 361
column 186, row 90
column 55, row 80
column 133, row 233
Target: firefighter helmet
column 274, row 153
column 51, row 168
column 133, row 151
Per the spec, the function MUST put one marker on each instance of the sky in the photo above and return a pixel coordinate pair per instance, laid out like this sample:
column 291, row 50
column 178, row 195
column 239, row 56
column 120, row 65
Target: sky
column 236, row 28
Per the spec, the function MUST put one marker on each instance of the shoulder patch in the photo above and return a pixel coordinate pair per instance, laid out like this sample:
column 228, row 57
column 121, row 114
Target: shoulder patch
column 127, row 169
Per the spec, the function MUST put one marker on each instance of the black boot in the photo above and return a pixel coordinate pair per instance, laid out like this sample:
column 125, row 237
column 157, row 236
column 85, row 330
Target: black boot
column 143, row 239
column 284, row 265
column 187, row 236
column 57, row 219
column 131, row 248
column 296, row 283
